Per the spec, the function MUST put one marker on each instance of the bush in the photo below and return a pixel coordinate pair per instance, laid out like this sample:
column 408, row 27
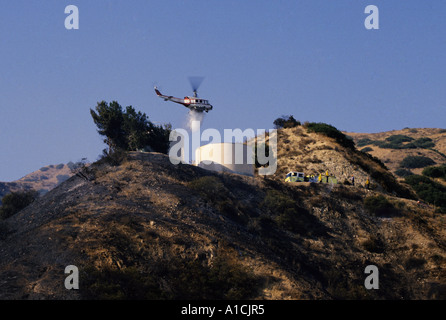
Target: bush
column 423, row 143
column 286, row 122
column 403, row 172
column 435, row 172
column 62, row 177
column 43, row 169
column 114, row 158
column 414, row 263
column 364, row 142
column 16, row 201
column 288, row 215
column 366, row 149
column 399, row 138
column 379, row 206
column 332, row 132
column 210, row 187
column 398, row 142
column 412, row 162
column 428, row 190
column 374, row 244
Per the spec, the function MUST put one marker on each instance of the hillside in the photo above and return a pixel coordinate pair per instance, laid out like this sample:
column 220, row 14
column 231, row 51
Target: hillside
column 314, row 153
column 42, row 180
column 392, row 147
column 142, row 228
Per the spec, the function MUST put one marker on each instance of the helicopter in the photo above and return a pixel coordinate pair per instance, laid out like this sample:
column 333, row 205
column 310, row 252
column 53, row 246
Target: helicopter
column 193, row 103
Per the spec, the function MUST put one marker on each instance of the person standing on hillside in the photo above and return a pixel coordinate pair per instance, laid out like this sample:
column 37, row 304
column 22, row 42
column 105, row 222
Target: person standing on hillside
column 326, row 174
column 353, row 180
column 367, row 184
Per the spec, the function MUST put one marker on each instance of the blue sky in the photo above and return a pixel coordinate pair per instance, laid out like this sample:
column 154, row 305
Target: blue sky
column 260, row 58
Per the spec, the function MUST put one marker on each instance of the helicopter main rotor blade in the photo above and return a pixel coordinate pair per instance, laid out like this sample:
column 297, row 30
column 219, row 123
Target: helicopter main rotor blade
column 195, row 82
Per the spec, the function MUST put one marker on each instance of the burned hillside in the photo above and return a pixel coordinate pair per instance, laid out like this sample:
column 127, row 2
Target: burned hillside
column 142, row 228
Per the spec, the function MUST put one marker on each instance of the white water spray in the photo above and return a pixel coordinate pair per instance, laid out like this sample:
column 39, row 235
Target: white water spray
column 194, row 120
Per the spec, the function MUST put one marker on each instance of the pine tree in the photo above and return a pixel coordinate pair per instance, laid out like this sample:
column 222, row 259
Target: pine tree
column 129, row 130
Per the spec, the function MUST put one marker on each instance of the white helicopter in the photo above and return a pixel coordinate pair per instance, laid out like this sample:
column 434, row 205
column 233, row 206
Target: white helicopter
column 193, row 103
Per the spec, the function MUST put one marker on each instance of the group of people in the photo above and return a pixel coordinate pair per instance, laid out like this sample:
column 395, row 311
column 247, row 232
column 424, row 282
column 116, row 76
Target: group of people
column 319, row 179
column 324, row 178
column 367, row 182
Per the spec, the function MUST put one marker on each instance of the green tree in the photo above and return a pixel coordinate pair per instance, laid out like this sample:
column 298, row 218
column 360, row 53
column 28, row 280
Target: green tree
column 128, row 129
column 109, row 119
column 16, row 201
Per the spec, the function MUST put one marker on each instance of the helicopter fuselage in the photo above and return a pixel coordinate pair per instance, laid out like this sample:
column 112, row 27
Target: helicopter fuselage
column 193, row 103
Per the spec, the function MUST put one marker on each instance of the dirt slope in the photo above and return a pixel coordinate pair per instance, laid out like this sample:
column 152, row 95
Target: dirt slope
column 146, row 229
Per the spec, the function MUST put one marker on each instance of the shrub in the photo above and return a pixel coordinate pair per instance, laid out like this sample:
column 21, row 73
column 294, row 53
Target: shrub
column 363, row 142
column 286, row 122
column 16, row 201
column 71, row 165
column 43, row 169
column 60, row 166
column 114, row 158
column 228, row 208
column 414, row 263
column 374, row 244
column 210, row 187
column 398, row 142
column 403, row 172
column 423, row 143
column 428, row 190
column 412, row 162
column 332, row 132
column 435, row 172
column 289, row 215
column 399, row 138
column 366, row 149
column 379, row 206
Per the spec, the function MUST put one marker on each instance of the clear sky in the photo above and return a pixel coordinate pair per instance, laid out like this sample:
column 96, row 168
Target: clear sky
column 261, row 59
